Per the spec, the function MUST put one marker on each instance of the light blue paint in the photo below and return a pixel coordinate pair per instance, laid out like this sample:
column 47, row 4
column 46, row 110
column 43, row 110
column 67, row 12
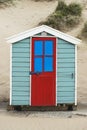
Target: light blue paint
column 21, row 65
column 20, row 93
column 66, row 51
column 16, row 83
column 65, row 68
column 21, row 98
column 21, row 79
column 72, row 56
column 19, row 69
column 67, row 84
column 20, row 50
column 18, row 60
column 21, row 88
column 20, row 55
column 15, row 102
column 20, row 72
column 66, row 65
column 66, row 94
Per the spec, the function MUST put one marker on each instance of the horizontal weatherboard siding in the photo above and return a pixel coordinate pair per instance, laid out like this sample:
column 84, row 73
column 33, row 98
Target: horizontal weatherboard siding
column 20, row 72
column 65, row 72
column 21, row 102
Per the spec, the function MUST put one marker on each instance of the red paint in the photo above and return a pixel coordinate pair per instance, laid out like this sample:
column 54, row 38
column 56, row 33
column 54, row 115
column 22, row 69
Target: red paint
column 43, row 86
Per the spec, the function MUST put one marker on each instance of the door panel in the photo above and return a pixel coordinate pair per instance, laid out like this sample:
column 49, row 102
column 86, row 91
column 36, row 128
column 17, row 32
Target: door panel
column 43, row 72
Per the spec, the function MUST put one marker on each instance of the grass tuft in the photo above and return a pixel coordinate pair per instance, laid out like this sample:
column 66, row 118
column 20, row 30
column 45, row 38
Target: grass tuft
column 65, row 16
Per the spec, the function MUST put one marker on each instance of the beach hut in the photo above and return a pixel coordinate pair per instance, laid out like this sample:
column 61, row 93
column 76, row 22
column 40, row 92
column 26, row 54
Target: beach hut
column 43, row 68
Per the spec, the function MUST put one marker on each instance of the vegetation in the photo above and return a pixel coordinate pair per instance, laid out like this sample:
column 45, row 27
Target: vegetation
column 44, row 0
column 84, row 30
column 4, row 1
column 65, row 16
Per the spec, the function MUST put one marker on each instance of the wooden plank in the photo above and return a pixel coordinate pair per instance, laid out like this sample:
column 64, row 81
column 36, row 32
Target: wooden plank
column 66, row 94
column 20, row 50
column 18, row 60
column 66, row 99
column 66, row 51
column 63, row 70
column 20, row 65
column 14, row 102
column 20, row 98
column 20, row 83
column 20, row 88
column 66, row 65
column 63, row 79
column 20, row 55
column 69, row 60
column 20, row 74
column 21, row 45
column 20, row 69
column 67, row 84
column 20, row 93
column 25, row 79
column 72, row 56
column 66, row 89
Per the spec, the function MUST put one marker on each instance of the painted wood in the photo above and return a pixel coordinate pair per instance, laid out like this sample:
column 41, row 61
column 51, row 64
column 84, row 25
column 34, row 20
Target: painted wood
column 22, row 50
column 21, row 88
column 21, row 98
column 72, row 56
column 16, row 60
column 16, row 83
column 66, row 89
column 19, row 69
column 66, row 94
column 66, row 51
column 20, row 72
column 66, row 65
column 20, row 79
column 20, row 55
column 16, row 102
column 65, row 68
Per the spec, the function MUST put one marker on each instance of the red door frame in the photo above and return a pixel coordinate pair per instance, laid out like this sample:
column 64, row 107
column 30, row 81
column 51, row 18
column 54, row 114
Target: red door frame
column 44, row 73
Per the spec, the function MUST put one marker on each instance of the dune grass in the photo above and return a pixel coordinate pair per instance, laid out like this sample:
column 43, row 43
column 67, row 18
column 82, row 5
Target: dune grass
column 65, row 16
column 84, row 31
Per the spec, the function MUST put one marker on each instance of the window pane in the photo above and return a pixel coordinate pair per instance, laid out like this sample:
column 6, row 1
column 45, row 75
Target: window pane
column 48, row 64
column 38, row 48
column 48, row 47
column 38, row 65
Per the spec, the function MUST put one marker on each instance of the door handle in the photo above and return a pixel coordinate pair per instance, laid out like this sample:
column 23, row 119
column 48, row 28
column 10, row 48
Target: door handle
column 72, row 75
column 36, row 73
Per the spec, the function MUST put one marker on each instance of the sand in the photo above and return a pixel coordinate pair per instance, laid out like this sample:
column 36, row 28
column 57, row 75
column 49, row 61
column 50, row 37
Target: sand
column 24, row 15
column 41, row 121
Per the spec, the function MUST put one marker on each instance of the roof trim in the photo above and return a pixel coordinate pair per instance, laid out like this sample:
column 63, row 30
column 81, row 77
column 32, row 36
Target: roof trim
column 32, row 32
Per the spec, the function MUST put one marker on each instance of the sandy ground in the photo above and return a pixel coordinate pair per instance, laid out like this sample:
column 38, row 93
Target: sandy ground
column 24, row 15
column 32, row 120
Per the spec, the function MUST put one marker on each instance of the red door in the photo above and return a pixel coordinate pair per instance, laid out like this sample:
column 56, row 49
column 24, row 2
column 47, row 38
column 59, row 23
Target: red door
column 43, row 72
